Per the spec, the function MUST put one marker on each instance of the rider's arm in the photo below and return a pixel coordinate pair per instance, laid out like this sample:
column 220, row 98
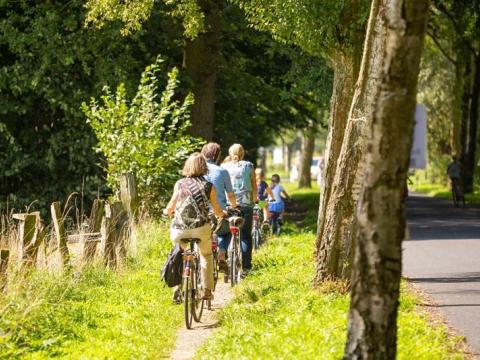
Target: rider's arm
column 253, row 179
column 227, row 184
column 284, row 194
column 232, row 199
column 215, row 205
column 270, row 192
column 173, row 201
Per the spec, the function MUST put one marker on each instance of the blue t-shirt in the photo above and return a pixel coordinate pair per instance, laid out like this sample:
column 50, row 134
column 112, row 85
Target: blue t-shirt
column 220, row 179
column 241, row 179
column 277, row 205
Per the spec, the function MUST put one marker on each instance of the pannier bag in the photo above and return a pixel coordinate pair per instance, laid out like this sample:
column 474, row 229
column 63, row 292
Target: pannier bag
column 172, row 270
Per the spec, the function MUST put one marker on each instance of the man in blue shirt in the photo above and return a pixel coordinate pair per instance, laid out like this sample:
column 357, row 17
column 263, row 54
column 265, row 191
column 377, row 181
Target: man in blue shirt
column 220, row 179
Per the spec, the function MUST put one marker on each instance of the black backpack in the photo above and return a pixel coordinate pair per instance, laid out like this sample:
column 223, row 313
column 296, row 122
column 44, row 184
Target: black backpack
column 173, row 268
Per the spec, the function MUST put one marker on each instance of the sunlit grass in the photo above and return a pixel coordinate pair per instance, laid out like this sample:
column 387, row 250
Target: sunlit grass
column 276, row 313
column 98, row 314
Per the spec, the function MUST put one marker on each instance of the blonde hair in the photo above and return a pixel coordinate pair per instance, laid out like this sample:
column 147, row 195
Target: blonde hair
column 227, row 159
column 236, row 152
column 195, row 166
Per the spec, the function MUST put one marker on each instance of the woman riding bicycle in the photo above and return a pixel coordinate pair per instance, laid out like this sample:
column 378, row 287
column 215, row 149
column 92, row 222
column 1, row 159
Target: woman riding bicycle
column 189, row 207
column 242, row 176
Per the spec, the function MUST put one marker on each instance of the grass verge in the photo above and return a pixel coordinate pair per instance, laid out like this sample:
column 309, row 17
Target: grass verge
column 276, row 313
column 442, row 191
column 99, row 314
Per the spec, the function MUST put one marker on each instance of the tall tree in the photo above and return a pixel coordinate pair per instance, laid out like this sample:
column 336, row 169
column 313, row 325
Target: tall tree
column 334, row 250
column 372, row 329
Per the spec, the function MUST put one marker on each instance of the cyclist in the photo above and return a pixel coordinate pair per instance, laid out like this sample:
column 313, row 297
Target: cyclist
column 277, row 205
column 264, row 192
column 244, row 184
column 220, row 179
column 453, row 170
column 189, row 207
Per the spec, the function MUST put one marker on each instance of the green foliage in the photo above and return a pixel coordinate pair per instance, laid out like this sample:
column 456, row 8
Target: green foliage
column 145, row 136
column 98, row 314
column 276, row 314
column 49, row 64
column 319, row 27
column 134, row 13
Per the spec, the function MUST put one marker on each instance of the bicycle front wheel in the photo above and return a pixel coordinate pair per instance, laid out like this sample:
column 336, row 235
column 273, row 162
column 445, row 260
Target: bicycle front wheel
column 256, row 238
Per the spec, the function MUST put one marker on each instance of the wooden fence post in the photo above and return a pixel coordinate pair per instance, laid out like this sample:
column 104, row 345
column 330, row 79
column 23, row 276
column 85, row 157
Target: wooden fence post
column 128, row 193
column 94, row 224
column 116, row 221
column 60, row 233
column 4, row 254
column 27, row 232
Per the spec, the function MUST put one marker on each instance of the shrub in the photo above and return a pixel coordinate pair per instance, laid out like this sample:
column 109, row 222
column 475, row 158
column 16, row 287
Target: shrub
column 146, row 136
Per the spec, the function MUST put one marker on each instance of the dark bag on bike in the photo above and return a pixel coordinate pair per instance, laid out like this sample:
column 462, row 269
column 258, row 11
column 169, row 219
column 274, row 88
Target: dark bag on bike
column 223, row 228
column 172, row 270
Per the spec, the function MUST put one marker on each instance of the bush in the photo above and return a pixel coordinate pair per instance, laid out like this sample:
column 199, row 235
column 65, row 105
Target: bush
column 146, row 136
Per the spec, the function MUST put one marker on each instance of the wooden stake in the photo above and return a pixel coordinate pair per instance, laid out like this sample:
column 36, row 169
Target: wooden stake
column 4, row 254
column 128, row 193
column 60, row 233
column 95, row 223
column 27, row 232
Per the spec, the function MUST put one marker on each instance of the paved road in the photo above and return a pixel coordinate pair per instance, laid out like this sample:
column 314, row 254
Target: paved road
column 443, row 258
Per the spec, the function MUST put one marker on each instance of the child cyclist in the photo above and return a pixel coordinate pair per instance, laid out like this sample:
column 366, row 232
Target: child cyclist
column 277, row 205
column 263, row 192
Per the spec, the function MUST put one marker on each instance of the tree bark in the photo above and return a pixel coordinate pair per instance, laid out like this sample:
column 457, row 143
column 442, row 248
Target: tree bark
column 308, row 146
column 471, row 145
column 200, row 60
column 372, row 328
column 335, row 256
column 345, row 73
column 465, row 116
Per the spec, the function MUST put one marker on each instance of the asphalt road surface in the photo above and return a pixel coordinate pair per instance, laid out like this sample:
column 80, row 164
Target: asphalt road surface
column 443, row 258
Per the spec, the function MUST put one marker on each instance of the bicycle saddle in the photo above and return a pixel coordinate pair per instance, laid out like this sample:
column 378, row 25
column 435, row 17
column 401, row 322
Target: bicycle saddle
column 187, row 240
column 236, row 221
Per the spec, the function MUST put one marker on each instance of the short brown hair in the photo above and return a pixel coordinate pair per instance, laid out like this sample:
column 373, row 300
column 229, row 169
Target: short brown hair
column 212, row 151
column 195, row 166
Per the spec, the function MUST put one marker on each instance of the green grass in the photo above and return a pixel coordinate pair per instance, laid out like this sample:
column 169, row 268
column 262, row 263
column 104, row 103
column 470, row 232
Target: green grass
column 442, row 191
column 99, row 314
column 277, row 315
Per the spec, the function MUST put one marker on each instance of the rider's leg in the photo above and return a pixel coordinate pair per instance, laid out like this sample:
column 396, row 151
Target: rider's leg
column 223, row 243
column 246, row 237
column 206, row 256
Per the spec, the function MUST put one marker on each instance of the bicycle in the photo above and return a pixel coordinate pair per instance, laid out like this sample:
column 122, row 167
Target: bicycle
column 257, row 227
column 457, row 192
column 191, row 283
column 234, row 250
column 215, row 266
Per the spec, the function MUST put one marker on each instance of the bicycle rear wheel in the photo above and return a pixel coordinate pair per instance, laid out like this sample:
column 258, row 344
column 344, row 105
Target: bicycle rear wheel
column 233, row 268
column 187, row 301
column 256, row 238
column 198, row 302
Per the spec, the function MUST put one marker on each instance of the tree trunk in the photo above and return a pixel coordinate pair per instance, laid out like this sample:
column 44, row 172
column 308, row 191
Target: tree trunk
column 335, row 256
column 470, row 160
column 200, row 61
column 308, row 146
column 372, row 328
column 455, row 142
column 345, row 73
column 465, row 119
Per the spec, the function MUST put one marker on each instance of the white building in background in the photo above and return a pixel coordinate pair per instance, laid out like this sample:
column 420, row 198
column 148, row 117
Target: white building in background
column 277, row 155
column 418, row 155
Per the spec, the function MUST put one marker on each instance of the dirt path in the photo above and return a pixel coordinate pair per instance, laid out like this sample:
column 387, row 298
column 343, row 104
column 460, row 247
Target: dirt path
column 188, row 341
